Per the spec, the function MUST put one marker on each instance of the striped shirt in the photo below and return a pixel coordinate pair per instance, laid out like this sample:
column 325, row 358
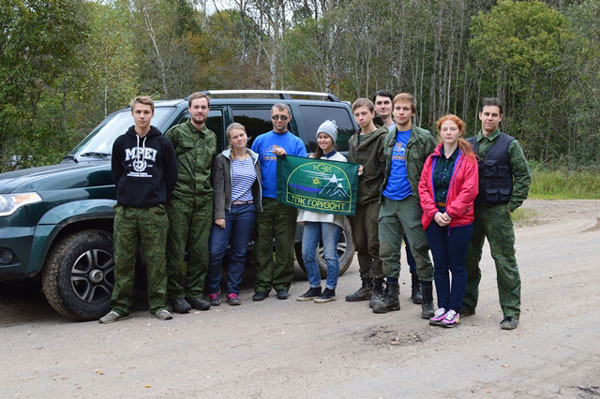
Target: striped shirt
column 243, row 177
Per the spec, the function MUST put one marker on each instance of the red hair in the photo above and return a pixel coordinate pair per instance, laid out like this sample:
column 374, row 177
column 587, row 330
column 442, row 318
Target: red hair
column 463, row 144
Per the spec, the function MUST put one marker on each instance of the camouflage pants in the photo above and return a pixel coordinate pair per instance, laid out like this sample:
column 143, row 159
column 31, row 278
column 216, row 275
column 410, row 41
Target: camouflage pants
column 495, row 223
column 133, row 227
column 276, row 221
column 189, row 224
column 366, row 240
column 396, row 218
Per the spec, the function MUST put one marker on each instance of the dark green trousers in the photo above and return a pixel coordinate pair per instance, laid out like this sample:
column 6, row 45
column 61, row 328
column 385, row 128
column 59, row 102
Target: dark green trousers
column 189, row 225
column 397, row 218
column 276, row 222
column 134, row 227
column 366, row 240
column 495, row 223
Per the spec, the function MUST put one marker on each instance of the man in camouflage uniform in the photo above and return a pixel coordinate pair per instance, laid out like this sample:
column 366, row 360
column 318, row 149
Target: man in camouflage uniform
column 504, row 180
column 144, row 170
column 190, row 208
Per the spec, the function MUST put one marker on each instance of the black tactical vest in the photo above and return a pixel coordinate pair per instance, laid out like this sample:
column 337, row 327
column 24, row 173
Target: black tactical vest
column 495, row 172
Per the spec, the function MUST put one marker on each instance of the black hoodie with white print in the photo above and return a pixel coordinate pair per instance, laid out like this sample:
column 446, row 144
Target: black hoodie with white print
column 144, row 169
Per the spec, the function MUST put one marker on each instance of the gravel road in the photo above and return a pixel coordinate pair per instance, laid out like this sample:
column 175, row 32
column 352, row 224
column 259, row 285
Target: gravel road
column 290, row 349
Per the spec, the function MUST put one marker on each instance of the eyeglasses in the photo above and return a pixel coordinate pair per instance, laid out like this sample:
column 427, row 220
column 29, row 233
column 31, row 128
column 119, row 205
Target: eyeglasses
column 282, row 117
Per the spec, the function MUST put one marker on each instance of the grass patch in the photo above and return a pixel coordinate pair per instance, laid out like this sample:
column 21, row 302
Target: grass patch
column 562, row 184
column 521, row 216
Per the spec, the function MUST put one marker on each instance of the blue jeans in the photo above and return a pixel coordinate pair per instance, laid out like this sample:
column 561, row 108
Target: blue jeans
column 329, row 233
column 449, row 248
column 239, row 223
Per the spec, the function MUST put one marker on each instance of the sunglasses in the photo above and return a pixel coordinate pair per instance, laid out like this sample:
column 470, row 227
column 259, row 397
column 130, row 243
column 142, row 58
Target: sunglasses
column 282, row 117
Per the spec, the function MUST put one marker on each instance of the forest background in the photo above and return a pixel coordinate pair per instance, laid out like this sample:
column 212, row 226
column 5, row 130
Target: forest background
column 66, row 64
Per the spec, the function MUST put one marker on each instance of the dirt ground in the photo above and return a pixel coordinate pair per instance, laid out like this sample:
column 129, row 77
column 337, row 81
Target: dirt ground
column 290, row 349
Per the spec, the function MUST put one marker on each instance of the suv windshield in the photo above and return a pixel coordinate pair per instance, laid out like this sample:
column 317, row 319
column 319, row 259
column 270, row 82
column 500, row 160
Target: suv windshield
column 98, row 144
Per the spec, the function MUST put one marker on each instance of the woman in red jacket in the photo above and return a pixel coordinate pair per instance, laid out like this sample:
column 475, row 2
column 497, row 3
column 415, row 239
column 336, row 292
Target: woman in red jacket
column 448, row 187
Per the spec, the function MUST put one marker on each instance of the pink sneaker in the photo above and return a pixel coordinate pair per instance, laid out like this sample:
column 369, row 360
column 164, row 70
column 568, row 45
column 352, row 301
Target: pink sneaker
column 233, row 299
column 451, row 319
column 437, row 317
column 214, row 299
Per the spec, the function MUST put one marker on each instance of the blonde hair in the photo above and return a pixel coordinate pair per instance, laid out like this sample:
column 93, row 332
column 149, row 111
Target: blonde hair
column 230, row 129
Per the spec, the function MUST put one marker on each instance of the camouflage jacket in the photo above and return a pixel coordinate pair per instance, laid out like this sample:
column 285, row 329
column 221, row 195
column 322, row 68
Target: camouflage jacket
column 195, row 150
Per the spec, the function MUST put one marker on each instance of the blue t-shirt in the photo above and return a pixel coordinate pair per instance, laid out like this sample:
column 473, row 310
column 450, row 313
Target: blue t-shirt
column 264, row 146
column 397, row 186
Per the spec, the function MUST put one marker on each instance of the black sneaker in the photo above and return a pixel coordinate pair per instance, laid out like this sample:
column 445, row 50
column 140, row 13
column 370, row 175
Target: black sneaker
column 509, row 323
column 180, row 305
column 312, row 293
column 199, row 303
column 283, row 294
column 328, row 295
column 259, row 296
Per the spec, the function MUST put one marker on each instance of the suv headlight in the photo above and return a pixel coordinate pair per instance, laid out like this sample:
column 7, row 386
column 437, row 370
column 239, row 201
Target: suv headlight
column 9, row 203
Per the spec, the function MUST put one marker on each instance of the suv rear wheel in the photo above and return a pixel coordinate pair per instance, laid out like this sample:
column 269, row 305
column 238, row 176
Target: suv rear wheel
column 78, row 276
column 345, row 252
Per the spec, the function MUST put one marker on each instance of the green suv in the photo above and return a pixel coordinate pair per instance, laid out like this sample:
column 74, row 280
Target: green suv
column 56, row 221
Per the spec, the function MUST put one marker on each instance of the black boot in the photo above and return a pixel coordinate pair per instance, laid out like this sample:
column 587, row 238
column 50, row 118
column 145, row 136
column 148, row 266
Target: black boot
column 415, row 295
column 427, row 305
column 363, row 293
column 377, row 292
column 390, row 299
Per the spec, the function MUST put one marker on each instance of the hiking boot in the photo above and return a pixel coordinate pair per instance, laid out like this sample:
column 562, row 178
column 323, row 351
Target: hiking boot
column 311, row 294
column 363, row 293
column 111, row 316
column 259, row 296
column 437, row 317
column 509, row 323
column 199, row 303
column 214, row 299
column 467, row 311
column 283, row 294
column 328, row 295
column 233, row 299
column 162, row 314
column 451, row 319
column 389, row 301
column 415, row 293
column 427, row 305
column 377, row 295
column 180, row 305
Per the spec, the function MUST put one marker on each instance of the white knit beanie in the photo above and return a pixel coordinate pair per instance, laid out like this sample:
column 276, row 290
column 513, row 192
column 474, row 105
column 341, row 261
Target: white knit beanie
column 329, row 127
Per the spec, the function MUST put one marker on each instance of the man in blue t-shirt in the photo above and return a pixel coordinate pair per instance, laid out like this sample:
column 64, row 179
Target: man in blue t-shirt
column 383, row 100
column 276, row 221
column 406, row 148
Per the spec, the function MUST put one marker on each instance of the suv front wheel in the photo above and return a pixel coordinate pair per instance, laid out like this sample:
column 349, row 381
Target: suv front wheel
column 78, row 276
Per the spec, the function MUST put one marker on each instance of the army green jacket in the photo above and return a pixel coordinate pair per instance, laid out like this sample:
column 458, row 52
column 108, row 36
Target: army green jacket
column 369, row 153
column 518, row 163
column 421, row 144
column 195, row 152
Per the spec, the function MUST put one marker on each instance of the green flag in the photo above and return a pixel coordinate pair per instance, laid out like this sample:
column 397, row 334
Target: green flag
column 317, row 185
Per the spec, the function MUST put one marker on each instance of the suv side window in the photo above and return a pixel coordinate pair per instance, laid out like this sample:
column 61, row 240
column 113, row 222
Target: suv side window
column 256, row 121
column 313, row 116
column 214, row 122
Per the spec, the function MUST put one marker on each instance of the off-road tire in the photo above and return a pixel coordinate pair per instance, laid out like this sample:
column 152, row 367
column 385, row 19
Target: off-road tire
column 345, row 252
column 78, row 276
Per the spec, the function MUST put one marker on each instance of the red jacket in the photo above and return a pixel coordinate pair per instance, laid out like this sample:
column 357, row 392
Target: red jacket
column 464, row 186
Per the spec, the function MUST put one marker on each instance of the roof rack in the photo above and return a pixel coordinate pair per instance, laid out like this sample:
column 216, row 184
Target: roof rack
column 283, row 94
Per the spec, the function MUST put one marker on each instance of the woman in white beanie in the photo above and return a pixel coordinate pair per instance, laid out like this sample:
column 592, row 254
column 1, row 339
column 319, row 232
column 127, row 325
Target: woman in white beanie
column 322, row 227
